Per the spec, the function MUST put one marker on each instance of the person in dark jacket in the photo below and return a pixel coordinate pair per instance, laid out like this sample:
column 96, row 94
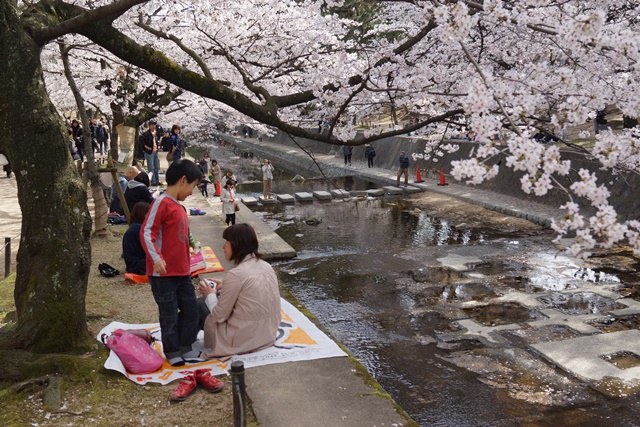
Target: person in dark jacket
column 138, row 191
column 102, row 136
column 150, row 141
column 78, row 137
column 176, row 142
column 369, row 153
column 404, row 169
column 347, row 150
column 135, row 258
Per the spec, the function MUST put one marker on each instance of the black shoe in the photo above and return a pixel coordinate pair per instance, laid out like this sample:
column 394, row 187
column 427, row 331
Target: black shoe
column 107, row 271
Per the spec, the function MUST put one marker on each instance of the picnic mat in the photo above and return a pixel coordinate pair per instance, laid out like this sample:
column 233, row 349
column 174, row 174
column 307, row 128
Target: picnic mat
column 298, row 339
column 212, row 265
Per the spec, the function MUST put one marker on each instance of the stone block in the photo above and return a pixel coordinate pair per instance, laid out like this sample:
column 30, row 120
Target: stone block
column 376, row 192
column 322, row 195
column 390, row 189
column 286, row 198
column 264, row 201
column 411, row 190
column 304, row 197
column 249, row 201
column 340, row 194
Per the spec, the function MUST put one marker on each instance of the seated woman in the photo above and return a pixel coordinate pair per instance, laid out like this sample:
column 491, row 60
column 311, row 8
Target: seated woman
column 134, row 255
column 246, row 315
column 138, row 190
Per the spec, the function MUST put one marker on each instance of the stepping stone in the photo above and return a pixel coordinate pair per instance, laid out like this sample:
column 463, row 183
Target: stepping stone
column 267, row 201
column 582, row 356
column 487, row 333
column 304, row 196
column 390, row 189
column 377, row 192
column 249, row 201
column 340, row 194
column 411, row 189
column 322, row 195
column 286, row 198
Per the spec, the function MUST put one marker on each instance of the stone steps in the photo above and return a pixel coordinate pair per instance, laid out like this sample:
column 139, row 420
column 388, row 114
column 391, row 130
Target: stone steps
column 336, row 194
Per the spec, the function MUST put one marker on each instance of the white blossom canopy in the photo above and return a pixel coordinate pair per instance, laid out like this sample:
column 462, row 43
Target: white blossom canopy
column 505, row 69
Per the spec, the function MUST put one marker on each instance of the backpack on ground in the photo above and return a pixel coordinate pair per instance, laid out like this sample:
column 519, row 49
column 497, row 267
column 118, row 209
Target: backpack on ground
column 136, row 354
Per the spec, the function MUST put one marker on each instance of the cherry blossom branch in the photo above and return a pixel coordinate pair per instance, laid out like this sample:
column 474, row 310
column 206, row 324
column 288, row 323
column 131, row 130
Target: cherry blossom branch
column 161, row 34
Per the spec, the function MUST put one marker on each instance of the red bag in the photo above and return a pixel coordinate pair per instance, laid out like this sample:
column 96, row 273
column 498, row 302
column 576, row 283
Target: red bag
column 134, row 352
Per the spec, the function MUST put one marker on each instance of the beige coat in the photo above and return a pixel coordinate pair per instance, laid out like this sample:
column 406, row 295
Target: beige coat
column 247, row 315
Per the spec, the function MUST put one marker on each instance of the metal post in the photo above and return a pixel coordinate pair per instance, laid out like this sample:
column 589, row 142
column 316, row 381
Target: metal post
column 239, row 394
column 7, row 256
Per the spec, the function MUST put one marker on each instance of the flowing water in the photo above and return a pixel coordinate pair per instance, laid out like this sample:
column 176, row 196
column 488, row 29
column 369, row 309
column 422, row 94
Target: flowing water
column 371, row 271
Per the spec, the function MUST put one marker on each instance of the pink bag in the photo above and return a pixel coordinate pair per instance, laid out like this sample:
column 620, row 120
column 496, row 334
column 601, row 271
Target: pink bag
column 134, row 352
column 197, row 262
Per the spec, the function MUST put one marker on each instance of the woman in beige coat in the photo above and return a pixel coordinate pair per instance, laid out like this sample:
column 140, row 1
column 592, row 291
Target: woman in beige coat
column 246, row 315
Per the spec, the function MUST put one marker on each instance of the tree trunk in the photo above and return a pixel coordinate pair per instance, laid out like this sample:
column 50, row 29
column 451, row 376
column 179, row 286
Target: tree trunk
column 55, row 254
column 100, row 207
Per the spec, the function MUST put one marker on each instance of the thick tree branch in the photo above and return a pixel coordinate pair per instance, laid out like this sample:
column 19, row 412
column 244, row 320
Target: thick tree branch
column 104, row 13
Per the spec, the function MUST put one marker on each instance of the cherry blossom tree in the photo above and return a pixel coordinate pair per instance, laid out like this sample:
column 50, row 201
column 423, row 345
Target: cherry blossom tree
column 503, row 68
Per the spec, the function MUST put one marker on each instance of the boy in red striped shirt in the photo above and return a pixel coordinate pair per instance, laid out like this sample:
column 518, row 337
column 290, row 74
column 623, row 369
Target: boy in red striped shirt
column 165, row 238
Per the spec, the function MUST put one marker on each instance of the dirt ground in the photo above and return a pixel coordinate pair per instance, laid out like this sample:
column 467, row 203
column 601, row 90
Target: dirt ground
column 107, row 398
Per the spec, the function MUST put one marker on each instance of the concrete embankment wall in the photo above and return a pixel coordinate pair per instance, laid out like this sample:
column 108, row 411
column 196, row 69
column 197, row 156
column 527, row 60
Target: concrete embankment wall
column 625, row 188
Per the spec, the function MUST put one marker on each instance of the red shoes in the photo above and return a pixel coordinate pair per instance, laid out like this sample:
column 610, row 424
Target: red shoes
column 185, row 388
column 191, row 381
column 208, row 381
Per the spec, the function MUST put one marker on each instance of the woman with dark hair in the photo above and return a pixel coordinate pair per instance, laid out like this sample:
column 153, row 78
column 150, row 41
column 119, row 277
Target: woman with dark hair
column 176, row 142
column 138, row 190
column 229, row 202
column 133, row 253
column 246, row 315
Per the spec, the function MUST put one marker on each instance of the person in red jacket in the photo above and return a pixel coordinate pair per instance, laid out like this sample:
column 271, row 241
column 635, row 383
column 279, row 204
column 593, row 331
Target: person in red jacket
column 165, row 238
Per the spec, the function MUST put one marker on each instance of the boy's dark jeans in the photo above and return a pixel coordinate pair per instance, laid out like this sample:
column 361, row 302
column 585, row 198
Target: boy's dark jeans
column 178, row 312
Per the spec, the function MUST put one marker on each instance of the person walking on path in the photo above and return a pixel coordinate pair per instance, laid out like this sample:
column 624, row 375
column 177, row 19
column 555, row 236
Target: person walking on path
column 369, row 153
column 267, row 177
column 165, row 238
column 229, row 202
column 347, row 150
column 149, row 141
column 404, row 169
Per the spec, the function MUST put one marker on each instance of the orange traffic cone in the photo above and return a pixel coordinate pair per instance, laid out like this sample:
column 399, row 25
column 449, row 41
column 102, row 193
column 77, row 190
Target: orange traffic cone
column 442, row 179
column 418, row 176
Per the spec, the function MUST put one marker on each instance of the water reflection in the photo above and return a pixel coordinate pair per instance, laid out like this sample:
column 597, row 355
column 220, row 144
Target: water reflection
column 368, row 272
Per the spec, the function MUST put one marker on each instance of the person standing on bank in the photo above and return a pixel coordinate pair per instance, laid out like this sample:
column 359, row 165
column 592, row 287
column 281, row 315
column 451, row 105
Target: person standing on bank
column 176, row 142
column 246, row 315
column 149, row 141
column 369, row 153
column 404, row 169
column 347, row 150
column 600, row 122
column 267, row 177
column 228, row 198
column 78, row 138
column 215, row 170
column 165, row 238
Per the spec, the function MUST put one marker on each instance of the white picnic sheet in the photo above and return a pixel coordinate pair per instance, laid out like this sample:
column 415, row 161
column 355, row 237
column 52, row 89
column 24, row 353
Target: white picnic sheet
column 299, row 339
